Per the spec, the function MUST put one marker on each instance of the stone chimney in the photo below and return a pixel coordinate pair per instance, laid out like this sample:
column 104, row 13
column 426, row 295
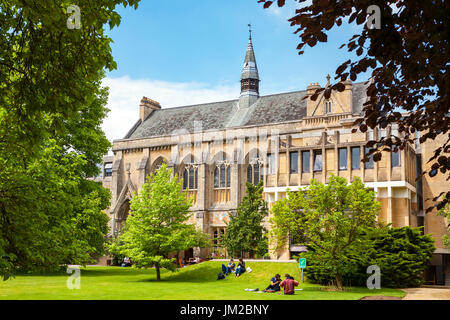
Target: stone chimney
column 311, row 105
column 146, row 107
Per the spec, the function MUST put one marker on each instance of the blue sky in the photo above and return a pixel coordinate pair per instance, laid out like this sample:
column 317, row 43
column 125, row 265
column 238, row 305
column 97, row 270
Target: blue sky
column 182, row 52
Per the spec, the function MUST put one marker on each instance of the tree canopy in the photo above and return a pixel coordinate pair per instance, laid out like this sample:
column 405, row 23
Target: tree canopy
column 408, row 55
column 329, row 219
column 51, row 107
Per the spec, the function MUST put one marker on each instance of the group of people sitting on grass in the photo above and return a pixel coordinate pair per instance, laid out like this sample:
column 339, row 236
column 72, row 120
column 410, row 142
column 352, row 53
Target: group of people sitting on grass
column 230, row 268
column 288, row 284
column 276, row 283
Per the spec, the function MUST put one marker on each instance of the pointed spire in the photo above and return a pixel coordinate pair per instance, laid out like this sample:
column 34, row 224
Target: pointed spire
column 249, row 75
column 250, row 69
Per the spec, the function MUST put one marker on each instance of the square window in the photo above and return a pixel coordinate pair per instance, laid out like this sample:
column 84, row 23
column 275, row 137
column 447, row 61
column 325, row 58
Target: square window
column 271, row 162
column 293, row 158
column 305, row 161
column 395, row 159
column 342, row 158
column 356, row 158
column 369, row 164
column 317, row 160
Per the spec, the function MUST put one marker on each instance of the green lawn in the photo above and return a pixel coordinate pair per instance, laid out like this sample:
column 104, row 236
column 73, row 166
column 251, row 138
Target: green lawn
column 190, row 283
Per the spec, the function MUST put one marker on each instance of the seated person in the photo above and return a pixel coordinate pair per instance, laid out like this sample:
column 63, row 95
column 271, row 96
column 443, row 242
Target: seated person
column 229, row 268
column 288, row 284
column 274, row 285
column 126, row 262
column 240, row 268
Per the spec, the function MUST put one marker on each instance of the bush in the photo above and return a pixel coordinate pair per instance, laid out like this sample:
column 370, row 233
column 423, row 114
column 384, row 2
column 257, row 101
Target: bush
column 114, row 249
column 401, row 253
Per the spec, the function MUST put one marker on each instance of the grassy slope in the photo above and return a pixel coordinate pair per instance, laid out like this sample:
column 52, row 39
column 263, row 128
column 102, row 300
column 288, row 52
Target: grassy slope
column 191, row 283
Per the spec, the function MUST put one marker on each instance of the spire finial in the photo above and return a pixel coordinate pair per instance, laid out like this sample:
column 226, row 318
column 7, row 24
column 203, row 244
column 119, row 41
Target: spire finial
column 328, row 79
column 250, row 30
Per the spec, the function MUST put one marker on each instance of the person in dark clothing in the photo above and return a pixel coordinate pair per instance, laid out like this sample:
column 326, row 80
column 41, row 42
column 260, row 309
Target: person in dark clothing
column 229, row 268
column 274, row 285
column 126, row 262
column 240, row 268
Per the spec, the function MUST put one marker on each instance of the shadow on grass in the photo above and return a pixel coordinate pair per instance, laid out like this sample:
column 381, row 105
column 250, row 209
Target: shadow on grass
column 195, row 274
column 90, row 272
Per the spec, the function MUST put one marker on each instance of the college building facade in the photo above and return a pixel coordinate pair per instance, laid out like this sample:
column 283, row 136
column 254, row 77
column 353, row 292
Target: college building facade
column 283, row 139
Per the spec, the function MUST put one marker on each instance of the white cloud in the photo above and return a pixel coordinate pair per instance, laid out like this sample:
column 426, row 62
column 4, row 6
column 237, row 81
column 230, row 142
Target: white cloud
column 125, row 95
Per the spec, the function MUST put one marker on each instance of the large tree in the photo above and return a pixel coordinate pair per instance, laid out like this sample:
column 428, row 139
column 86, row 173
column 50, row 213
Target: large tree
column 408, row 56
column 50, row 214
column 51, row 108
column 157, row 223
column 47, row 68
column 245, row 231
column 329, row 219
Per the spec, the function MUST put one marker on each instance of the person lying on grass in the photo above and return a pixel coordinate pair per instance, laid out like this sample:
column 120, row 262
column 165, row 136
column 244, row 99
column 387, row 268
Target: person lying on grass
column 240, row 268
column 229, row 268
column 288, row 284
column 274, row 285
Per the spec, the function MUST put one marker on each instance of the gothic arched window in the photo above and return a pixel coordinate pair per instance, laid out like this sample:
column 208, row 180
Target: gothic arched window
column 190, row 176
column 254, row 170
column 222, row 175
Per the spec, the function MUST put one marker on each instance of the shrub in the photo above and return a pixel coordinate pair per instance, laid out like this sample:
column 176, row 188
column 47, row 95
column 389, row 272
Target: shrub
column 401, row 253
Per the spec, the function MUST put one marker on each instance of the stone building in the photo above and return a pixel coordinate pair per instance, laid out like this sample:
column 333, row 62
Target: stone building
column 284, row 139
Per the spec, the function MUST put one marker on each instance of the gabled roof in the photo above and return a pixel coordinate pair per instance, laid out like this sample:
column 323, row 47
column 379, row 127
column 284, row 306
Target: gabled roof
column 221, row 115
column 266, row 110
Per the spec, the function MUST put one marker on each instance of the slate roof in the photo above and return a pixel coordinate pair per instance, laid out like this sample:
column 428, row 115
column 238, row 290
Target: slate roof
column 269, row 109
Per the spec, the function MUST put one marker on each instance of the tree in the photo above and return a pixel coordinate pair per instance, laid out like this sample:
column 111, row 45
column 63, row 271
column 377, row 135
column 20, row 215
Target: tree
column 445, row 212
column 402, row 254
column 156, row 225
column 47, row 68
column 51, row 108
column 330, row 220
column 51, row 215
column 408, row 55
column 245, row 232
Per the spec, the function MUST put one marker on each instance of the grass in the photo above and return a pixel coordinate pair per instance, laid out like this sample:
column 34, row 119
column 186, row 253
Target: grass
column 197, row 282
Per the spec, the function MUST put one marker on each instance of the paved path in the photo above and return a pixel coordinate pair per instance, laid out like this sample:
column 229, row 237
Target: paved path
column 427, row 294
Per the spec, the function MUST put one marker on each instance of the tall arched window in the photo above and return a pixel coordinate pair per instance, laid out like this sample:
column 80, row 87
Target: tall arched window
column 222, row 180
column 254, row 170
column 222, row 175
column 190, row 176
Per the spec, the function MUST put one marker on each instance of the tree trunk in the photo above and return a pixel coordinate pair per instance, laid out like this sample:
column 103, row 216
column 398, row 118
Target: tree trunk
column 158, row 274
column 338, row 282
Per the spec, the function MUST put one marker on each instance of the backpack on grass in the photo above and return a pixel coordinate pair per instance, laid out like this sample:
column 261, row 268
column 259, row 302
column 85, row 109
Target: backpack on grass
column 220, row 276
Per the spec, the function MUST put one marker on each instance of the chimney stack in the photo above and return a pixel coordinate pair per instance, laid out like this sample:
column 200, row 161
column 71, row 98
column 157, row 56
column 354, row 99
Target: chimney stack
column 146, row 107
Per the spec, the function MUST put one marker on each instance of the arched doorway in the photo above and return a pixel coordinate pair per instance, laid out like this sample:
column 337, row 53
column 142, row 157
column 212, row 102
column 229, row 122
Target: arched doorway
column 122, row 215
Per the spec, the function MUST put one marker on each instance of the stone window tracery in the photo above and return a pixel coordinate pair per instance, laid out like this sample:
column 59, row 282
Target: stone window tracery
column 190, row 176
column 255, row 170
column 222, row 174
